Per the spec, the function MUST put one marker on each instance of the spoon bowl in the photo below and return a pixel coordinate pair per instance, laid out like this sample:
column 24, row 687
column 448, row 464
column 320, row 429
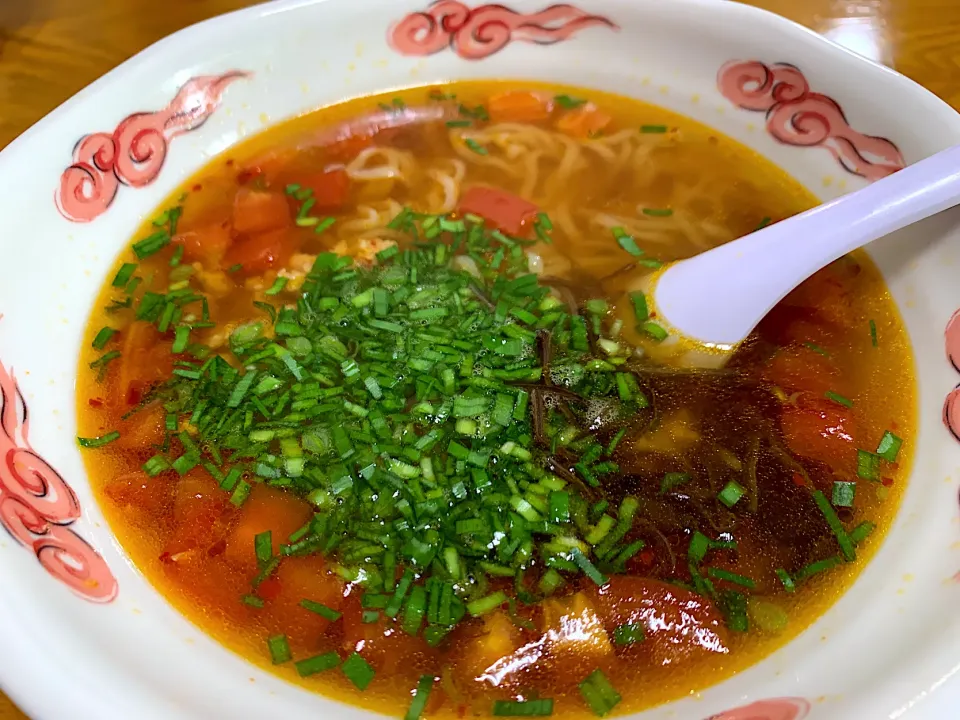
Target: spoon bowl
column 717, row 298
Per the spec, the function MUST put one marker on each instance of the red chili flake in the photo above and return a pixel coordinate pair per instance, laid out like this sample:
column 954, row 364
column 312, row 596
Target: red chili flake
column 887, row 481
column 197, row 188
column 798, row 479
column 230, row 162
column 95, row 402
column 248, row 174
column 134, row 395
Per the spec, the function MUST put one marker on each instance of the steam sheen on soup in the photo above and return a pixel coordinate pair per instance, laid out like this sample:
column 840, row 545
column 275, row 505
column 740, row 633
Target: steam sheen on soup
column 375, row 401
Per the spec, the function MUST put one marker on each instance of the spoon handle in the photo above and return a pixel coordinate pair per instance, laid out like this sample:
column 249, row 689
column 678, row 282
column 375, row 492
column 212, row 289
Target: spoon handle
column 718, row 297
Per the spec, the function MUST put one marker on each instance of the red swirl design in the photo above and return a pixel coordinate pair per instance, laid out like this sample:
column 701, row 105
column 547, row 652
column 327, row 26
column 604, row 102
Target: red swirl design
column 951, row 405
column 37, row 506
column 792, row 708
column 134, row 152
column 479, row 32
column 796, row 116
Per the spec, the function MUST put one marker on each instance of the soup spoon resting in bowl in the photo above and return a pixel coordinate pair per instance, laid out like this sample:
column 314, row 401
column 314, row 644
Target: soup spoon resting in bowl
column 717, row 298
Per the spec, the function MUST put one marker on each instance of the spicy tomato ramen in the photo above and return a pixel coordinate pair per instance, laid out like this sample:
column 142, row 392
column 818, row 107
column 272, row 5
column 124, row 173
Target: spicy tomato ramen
column 375, row 400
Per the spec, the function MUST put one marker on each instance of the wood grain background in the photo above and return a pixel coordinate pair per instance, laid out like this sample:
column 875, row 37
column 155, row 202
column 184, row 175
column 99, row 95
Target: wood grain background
column 50, row 49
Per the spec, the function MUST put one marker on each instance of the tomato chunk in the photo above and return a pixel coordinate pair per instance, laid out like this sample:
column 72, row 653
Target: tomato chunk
column 803, row 369
column 505, row 211
column 306, row 578
column 519, row 106
column 679, row 625
column 330, row 188
column 583, row 122
column 136, row 489
column 200, row 511
column 821, row 430
column 385, row 646
column 266, row 509
column 206, row 245
column 258, row 253
column 257, row 211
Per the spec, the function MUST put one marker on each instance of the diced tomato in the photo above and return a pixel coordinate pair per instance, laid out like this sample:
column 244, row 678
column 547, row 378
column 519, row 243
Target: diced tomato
column 306, row 578
column 803, row 369
column 827, row 293
column 142, row 429
column 259, row 253
column 151, row 495
column 519, row 106
column 200, row 513
column 206, row 245
column 257, row 211
column 680, row 626
column 145, row 361
column 266, row 166
column 330, row 188
column 385, row 646
column 346, row 148
column 266, row 509
column 583, row 122
column 505, row 211
column 269, row 590
column 821, row 430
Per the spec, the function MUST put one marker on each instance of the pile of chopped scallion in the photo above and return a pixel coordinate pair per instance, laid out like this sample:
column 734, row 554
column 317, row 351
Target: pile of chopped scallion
column 434, row 411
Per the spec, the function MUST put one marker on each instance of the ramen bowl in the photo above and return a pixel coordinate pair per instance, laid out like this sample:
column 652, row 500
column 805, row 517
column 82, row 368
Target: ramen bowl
column 85, row 635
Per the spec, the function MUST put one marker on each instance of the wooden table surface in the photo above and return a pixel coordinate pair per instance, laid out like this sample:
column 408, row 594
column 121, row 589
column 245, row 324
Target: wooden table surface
column 50, row 49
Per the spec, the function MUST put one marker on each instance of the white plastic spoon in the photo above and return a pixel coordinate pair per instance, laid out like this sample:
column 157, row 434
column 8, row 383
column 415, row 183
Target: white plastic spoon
column 718, row 297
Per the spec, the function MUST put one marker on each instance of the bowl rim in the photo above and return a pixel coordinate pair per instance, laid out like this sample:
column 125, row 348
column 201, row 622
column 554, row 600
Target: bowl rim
column 24, row 666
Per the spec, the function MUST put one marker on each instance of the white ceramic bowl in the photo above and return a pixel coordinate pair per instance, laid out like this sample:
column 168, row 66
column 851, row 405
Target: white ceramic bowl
column 83, row 635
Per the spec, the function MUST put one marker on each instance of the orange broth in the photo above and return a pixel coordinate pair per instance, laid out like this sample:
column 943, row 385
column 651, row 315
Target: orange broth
column 778, row 426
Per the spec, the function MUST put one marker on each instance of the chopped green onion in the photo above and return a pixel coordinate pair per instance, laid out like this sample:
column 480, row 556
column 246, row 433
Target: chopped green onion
column 124, row 274
column 843, row 493
column 486, row 604
column 640, row 309
column 889, row 446
column 673, row 480
column 103, row 337
column 843, row 539
column 317, row 664
column 358, row 671
column 567, row 102
column 628, row 634
column 419, row 703
column 97, row 442
column 588, row 568
column 321, row 610
column 731, row 577
column 731, row 493
column 787, row 581
column 654, row 330
column 279, row 649
column 263, row 547
column 653, row 128
column 627, row 242
column 839, row 399
column 542, row 707
column 475, row 146
column 868, row 465
column 599, row 694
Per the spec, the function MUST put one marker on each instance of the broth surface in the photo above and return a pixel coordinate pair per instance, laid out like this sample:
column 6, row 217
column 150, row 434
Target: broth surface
column 818, row 400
